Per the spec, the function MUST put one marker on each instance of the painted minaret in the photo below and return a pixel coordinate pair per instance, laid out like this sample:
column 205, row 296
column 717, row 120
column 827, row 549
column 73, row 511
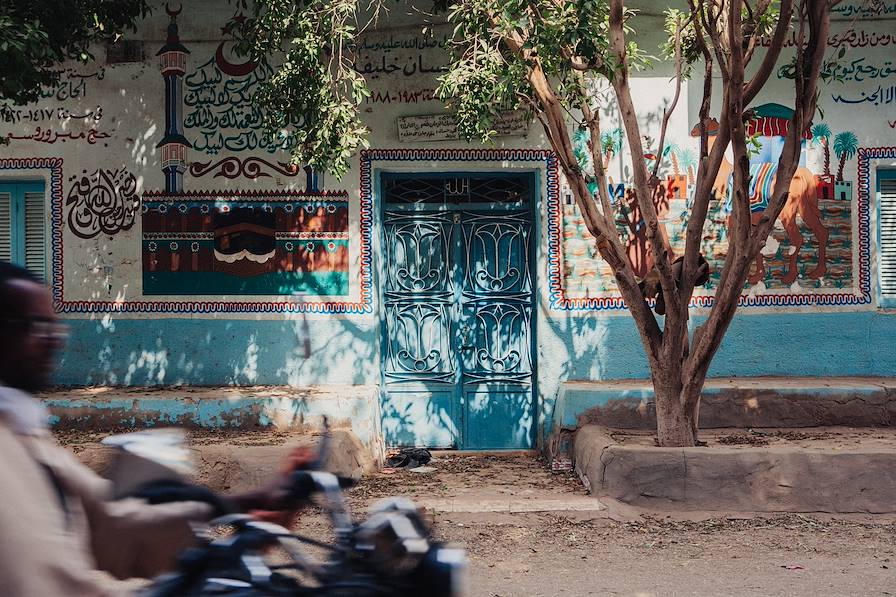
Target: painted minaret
column 173, row 63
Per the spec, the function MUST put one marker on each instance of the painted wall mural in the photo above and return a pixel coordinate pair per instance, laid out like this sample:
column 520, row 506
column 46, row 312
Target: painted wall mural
column 245, row 244
column 810, row 253
column 104, row 202
column 225, row 244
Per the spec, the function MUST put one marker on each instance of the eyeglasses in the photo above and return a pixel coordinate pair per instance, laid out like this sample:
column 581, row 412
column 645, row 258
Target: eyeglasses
column 48, row 329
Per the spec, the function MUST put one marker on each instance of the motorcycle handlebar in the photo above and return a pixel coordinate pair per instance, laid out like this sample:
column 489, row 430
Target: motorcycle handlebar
column 304, row 484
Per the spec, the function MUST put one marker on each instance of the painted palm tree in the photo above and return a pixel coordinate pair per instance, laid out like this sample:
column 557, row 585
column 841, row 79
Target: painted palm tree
column 846, row 144
column 612, row 144
column 687, row 159
column 672, row 151
column 608, row 144
column 822, row 132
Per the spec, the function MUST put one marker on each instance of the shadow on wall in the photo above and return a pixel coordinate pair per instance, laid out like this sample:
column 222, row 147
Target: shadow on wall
column 296, row 350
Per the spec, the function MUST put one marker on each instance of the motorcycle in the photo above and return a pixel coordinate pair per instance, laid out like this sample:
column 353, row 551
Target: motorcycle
column 391, row 553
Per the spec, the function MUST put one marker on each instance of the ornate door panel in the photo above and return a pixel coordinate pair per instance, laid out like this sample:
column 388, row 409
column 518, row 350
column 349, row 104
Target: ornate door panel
column 420, row 365
column 458, row 306
column 495, row 324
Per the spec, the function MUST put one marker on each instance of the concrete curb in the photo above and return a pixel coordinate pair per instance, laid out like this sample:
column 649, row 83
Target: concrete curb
column 753, row 479
column 511, row 506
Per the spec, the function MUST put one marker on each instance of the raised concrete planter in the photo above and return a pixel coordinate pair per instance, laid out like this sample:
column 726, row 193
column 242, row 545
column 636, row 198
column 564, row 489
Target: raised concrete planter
column 747, row 479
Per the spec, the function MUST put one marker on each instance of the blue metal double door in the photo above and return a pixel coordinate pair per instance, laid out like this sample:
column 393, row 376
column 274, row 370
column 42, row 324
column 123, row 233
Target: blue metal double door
column 458, row 301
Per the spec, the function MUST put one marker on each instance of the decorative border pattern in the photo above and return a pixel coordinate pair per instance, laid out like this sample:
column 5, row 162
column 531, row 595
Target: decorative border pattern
column 54, row 165
column 558, row 301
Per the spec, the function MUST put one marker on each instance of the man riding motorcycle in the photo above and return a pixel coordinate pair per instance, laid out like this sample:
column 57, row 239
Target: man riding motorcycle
column 62, row 533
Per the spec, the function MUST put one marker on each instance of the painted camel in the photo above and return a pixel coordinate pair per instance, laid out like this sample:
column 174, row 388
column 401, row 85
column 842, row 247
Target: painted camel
column 802, row 200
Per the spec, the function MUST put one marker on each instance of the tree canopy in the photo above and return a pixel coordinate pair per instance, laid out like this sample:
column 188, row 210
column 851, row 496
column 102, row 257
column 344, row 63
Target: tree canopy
column 37, row 35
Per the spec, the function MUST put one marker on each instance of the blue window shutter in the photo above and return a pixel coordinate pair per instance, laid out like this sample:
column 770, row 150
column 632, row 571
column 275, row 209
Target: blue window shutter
column 886, row 184
column 35, row 232
column 23, row 225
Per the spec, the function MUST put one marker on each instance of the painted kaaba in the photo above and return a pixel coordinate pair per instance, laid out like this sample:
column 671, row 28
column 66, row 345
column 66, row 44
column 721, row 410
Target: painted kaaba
column 245, row 244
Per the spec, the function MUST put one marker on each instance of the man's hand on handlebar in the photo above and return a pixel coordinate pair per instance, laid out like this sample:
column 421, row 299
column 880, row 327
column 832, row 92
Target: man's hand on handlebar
column 276, row 502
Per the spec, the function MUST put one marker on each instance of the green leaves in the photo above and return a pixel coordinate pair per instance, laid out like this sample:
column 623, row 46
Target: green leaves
column 568, row 40
column 315, row 94
column 36, row 36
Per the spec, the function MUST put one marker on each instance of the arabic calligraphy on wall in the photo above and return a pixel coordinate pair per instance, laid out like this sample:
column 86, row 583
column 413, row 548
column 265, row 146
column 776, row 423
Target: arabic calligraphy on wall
column 219, row 108
column 105, row 202
column 402, row 96
column 442, row 127
column 71, row 85
column 407, row 55
column 18, row 115
column 233, row 167
column 881, row 95
column 246, row 244
column 851, row 37
column 401, row 68
column 407, row 66
column 42, row 135
column 857, row 70
column 865, row 10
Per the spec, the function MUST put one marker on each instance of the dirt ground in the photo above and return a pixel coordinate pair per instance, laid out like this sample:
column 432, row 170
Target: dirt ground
column 582, row 551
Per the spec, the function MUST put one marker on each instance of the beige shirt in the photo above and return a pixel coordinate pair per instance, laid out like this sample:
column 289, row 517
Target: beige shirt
column 48, row 550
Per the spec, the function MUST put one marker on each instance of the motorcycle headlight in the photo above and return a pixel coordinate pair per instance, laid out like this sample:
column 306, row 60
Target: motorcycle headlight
column 443, row 573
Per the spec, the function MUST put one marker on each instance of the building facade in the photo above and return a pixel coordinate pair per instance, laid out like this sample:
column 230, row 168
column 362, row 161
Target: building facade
column 454, row 283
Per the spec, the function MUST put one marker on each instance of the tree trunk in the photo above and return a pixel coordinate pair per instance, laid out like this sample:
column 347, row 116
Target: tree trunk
column 842, row 157
column 676, row 423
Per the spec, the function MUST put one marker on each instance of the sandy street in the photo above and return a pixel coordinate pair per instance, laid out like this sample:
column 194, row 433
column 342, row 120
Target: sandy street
column 531, row 532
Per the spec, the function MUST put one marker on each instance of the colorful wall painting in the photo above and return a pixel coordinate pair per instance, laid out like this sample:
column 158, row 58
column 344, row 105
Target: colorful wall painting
column 808, row 259
column 245, row 244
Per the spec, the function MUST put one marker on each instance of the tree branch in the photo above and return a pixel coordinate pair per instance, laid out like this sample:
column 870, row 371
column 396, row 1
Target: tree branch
column 592, row 121
column 667, row 113
column 772, row 53
column 708, row 337
column 555, row 127
column 643, row 192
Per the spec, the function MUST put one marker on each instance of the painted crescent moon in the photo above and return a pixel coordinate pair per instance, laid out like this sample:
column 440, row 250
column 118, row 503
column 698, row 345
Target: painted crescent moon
column 229, row 68
column 173, row 13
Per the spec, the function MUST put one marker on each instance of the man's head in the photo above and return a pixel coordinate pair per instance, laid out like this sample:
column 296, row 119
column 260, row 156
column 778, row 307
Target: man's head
column 30, row 332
